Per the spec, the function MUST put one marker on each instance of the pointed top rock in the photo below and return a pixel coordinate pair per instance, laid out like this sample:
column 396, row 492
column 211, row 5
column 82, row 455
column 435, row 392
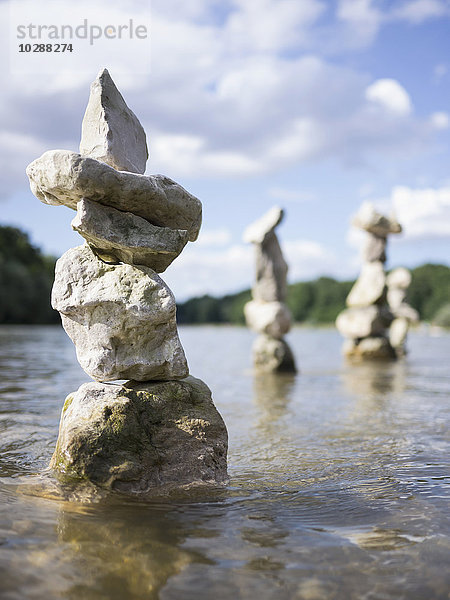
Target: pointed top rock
column 110, row 131
column 257, row 231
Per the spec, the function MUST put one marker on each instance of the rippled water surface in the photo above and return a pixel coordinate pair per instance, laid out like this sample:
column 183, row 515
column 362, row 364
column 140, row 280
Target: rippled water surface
column 339, row 481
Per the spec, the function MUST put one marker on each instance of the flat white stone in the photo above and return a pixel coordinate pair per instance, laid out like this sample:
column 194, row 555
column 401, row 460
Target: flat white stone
column 369, row 287
column 121, row 318
column 271, row 318
column 357, row 323
column 110, row 131
column 123, row 237
column 399, row 278
column 64, row 177
column 398, row 332
column 369, row 219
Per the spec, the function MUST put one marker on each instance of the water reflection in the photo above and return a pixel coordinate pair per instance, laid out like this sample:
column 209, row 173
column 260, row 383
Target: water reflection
column 374, row 380
column 272, row 394
column 127, row 551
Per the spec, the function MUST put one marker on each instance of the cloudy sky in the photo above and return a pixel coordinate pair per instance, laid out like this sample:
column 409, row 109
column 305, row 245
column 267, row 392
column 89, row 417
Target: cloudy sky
column 314, row 105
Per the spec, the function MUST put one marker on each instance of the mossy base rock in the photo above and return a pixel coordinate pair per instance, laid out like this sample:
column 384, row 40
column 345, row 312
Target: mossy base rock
column 273, row 356
column 137, row 437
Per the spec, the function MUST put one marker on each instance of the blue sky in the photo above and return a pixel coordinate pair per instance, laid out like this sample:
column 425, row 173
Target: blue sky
column 316, row 106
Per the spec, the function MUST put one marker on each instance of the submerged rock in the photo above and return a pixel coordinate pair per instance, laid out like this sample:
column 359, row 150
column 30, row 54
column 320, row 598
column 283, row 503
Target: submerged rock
column 120, row 236
column 273, row 355
column 110, row 131
column 64, row 177
column 137, row 437
column 121, row 318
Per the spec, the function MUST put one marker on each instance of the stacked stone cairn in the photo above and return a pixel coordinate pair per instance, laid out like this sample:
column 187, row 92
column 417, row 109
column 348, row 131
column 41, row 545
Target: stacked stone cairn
column 267, row 313
column 398, row 282
column 366, row 321
column 161, row 429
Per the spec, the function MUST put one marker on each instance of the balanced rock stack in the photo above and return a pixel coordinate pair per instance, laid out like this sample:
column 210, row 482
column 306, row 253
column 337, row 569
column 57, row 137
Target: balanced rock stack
column 398, row 282
column 267, row 313
column 161, row 428
column 366, row 321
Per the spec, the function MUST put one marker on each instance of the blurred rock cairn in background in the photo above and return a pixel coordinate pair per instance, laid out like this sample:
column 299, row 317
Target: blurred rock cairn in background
column 377, row 319
column 161, row 428
column 267, row 313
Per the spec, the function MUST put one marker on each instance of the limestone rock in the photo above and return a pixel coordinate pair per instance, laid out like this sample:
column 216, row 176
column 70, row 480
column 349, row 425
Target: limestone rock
column 137, row 437
column 271, row 318
column 371, row 348
column 370, row 286
column 257, row 231
column 375, row 248
column 406, row 311
column 121, row 318
column 271, row 271
column 374, row 222
column 395, row 298
column 64, row 177
column 110, row 131
column 399, row 278
column 123, row 237
column 398, row 332
column 356, row 323
column 272, row 355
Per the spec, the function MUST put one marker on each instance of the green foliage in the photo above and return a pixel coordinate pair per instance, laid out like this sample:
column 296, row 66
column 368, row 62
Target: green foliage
column 429, row 290
column 320, row 301
column 442, row 317
column 26, row 278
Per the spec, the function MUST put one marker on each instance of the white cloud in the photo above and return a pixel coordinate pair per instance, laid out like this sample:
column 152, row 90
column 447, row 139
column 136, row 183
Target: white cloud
column 418, row 11
column 424, row 212
column 289, row 195
column 16, row 152
column 389, row 94
column 308, row 259
column 440, row 120
column 220, row 103
column 362, row 18
column 216, row 271
column 214, row 238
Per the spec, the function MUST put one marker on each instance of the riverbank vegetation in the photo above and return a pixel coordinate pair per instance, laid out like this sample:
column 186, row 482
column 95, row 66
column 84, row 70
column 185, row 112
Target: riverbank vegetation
column 26, row 278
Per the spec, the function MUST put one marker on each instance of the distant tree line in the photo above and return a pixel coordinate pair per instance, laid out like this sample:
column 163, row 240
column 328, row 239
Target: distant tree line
column 320, row 301
column 26, row 278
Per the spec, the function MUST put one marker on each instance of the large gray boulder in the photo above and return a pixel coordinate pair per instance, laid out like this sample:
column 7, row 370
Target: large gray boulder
column 138, row 437
column 120, row 236
column 121, row 318
column 64, row 177
column 110, row 131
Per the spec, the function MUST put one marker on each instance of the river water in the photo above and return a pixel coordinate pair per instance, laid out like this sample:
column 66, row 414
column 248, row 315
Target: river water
column 339, row 481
